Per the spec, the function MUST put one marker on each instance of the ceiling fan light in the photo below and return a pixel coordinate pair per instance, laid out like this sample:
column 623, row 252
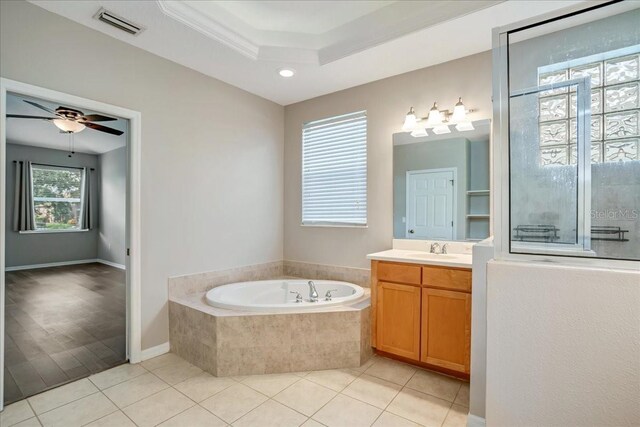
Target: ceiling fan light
column 435, row 116
column 459, row 112
column 410, row 121
column 69, row 126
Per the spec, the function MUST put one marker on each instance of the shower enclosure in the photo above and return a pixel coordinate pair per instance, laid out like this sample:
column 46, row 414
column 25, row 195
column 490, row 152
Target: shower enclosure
column 567, row 97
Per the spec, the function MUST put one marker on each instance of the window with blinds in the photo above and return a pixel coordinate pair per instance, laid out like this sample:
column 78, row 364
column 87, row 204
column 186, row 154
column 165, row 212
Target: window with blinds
column 334, row 171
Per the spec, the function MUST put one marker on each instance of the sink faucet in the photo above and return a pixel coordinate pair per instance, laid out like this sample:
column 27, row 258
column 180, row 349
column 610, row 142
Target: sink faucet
column 435, row 248
column 313, row 293
column 444, row 248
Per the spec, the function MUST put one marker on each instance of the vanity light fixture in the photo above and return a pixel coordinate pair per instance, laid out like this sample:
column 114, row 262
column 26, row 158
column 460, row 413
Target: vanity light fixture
column 286, row 72
column 438, row 120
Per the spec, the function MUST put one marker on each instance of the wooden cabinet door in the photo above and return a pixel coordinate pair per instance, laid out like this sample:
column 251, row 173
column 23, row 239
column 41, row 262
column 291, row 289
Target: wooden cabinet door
column 446, row 329
column 398, row 319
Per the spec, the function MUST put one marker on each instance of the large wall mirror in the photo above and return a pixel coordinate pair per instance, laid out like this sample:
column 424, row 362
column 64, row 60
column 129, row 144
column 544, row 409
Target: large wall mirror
column 441, row 185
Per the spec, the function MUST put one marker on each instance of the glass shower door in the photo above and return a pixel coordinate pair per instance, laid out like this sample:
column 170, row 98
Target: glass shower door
column 550, row 178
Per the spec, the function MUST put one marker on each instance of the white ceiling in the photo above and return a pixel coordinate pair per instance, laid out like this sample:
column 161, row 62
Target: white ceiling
column 42, row 133
column 333, row 45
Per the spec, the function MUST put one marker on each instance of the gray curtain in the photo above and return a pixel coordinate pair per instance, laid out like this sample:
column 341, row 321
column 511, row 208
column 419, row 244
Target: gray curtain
column 23, row 215
column 86, row 220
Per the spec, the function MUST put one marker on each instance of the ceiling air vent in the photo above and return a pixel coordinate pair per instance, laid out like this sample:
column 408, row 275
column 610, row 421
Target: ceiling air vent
column 118, row 21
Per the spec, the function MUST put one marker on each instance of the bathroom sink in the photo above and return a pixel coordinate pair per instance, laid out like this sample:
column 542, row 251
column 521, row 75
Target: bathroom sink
column 427, row 255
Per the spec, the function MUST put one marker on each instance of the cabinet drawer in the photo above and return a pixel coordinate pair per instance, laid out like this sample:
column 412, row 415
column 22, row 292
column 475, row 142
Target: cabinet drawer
column 447, row 278
column 399, row 273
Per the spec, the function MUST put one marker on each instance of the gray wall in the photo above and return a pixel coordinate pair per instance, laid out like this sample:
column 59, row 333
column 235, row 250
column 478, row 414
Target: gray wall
column 29, row 249
column 113, row 191
column 386, row 101
column 211, row 190
column 448, row 153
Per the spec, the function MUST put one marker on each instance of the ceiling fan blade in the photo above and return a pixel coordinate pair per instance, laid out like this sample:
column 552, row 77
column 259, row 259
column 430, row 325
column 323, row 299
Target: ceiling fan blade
column 102, row 128
column 35, row 104
column 20, row 116
column 97, row 118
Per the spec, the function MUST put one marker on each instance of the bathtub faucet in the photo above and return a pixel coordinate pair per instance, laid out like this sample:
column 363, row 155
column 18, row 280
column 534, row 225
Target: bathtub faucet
column 313, row 293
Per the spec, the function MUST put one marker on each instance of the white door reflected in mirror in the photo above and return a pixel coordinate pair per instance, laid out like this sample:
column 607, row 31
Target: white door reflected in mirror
column 430, row 207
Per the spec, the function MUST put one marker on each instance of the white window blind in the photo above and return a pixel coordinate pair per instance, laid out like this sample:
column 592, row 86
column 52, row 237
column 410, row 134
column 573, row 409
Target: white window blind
column 334, row 171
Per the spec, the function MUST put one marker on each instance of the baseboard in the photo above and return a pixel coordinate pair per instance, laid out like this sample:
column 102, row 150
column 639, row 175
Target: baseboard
column 111, row 264
column 150, row 353
column 475, row 421
column 50, row 264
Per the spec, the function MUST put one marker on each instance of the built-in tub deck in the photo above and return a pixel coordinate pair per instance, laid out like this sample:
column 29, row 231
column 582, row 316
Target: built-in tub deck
column 232, row 342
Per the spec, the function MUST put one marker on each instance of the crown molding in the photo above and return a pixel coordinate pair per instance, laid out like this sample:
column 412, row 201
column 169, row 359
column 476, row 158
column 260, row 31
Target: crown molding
column 192, row 18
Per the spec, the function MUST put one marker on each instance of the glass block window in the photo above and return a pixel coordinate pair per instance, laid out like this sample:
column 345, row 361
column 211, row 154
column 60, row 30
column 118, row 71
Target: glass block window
column 615, row 111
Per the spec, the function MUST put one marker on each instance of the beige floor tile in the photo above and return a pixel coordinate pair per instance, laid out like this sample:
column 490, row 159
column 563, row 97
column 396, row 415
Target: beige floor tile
column 79, row 412
column 234, row 402
column 372, row 390
column 387, row 419
column 116, row 419
column 457, row 417
column 128, row 392
column 335, row 379
column 203, row 386
column 312, row 423
column 435, row 384
column 160, row 361
column 271, row 414
column 419, row 407
column 116, row 375
column 305, row 397
column 366, row 365
column 344, row 411
column 176, row 372
column 62, row 395
column 195, row 416
column 15, row 413
column 463, row 395
column 390, row 370
column 31, row 422
column 270, row 384
column 158, row 408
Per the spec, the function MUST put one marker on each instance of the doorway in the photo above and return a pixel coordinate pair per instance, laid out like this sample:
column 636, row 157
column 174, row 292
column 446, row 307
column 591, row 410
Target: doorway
column 71, row 190
column 430, row 204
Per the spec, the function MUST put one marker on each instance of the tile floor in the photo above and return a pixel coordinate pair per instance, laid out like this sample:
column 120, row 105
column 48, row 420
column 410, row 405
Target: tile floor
column 62, row 324
column 168, row 391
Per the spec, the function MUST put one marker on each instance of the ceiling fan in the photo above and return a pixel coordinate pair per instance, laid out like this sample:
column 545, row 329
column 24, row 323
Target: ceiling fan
column 69, row 120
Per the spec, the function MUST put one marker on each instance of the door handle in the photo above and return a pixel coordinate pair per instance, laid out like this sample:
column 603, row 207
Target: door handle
column 411, row 231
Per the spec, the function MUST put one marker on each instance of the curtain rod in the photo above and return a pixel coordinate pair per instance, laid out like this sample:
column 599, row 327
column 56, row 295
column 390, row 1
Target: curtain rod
column 55, row 166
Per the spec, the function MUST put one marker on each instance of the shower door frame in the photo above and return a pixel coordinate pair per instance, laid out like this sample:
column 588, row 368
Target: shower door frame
column 501, row 160
column 133, row 219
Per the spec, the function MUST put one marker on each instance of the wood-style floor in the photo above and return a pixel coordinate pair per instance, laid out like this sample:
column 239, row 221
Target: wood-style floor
column 62, row 323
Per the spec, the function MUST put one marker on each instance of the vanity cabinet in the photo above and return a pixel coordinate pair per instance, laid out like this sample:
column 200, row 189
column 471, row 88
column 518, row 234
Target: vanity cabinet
column 422, row 313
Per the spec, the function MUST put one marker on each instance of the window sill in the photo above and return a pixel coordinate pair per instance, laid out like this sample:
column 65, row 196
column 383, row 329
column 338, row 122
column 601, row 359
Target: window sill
column 53, row 231
column 334, row 225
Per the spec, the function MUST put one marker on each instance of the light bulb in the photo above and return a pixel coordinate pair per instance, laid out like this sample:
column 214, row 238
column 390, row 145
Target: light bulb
column 419, row 132
column 441, row 129
column 459, row 113
column 69, row 126
column 435, row 117
column 410, row 121
column 286, row 72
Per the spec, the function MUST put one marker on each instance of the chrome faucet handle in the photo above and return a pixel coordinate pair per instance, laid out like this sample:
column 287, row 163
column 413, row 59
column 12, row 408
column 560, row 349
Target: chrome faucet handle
column 327, row 296
column 298, row 296
column 444, row 248
column 434, row 247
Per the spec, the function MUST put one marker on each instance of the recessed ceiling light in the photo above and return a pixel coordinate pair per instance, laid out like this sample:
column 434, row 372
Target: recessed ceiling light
column 286, row 72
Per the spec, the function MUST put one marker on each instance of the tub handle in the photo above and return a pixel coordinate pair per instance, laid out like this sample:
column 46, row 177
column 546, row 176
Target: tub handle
column 298, row 296
column 327, row 296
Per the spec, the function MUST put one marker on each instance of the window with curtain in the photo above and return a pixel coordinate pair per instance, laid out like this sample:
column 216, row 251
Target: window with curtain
column 334, row 171
column 57, row 197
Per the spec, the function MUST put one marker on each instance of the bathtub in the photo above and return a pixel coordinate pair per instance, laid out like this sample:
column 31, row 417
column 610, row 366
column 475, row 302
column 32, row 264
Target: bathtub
column 280, row 295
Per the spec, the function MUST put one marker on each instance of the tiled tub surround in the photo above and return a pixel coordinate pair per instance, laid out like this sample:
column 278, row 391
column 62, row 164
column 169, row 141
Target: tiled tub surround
column 225, row 342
